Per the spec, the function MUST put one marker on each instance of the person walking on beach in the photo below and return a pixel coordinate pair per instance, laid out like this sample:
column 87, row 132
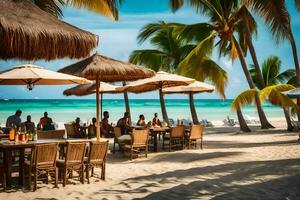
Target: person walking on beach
column 155, row 120
column 14, row 120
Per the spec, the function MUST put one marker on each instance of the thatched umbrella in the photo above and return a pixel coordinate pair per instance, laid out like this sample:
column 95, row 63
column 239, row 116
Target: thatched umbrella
column 87, row 89
column 158, row 82
column 101, row 68
column 29, row 33
column 32, row 75
column 191, row 89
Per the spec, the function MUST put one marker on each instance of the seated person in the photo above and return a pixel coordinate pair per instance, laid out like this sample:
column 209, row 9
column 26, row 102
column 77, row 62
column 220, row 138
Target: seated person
column 46, row 123
column 79, row 131
column 14, row 121
column 29, row 125
column 106, row 128
column 123, row 123
column 141, row 121
column 155, row 121
column 92, row 129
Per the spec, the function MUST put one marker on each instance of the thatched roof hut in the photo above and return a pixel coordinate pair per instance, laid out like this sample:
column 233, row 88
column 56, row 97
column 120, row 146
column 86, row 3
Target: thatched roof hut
column 107, row 69
column 27, row 32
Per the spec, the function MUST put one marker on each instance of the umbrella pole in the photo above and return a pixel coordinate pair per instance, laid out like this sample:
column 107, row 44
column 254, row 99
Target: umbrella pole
column 193, row 109
column 126, row 100
column 101, row 107
column 163, row 107
column 97, row 108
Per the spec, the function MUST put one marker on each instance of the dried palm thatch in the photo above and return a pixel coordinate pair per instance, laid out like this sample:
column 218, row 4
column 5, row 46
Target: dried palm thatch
column 27, row 32
column 107, row 69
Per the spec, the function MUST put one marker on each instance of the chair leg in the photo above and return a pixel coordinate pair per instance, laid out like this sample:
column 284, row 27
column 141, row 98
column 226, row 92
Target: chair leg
column 82, row 174
column 29, row 178
column 64, row 176
column 201, row 144
column 87, row 173
column 56, row 177
column 35, row 180
column 92, row 171
column 114, row 148
column 103, row 171
column 146, row 151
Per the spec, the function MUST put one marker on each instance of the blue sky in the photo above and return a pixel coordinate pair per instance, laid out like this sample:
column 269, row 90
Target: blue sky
column 118, row 39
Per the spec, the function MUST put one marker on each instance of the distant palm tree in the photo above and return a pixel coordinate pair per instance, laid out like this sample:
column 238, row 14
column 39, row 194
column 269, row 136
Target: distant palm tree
column 167, row 54
column 104, row 7
column 275, row 82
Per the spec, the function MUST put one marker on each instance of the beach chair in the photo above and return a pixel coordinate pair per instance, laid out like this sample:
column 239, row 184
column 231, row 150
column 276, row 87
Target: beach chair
column 195, row 135
column 229, row 122
column 251, row 120
column 73, row 161
column 42, row 163
column 175, row 138
column 70, row 130
column 206, row 123
column 139, row 142
column 96, row 157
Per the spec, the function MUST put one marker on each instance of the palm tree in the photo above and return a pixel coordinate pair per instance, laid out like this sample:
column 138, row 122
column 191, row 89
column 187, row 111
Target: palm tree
column 226, row 18
column 169, row 51
column 107, row 8
column 274, row 83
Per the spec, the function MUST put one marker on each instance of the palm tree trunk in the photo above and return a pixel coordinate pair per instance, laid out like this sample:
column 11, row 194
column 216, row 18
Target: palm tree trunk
column 193, row 109
column 253, row 55
column 263, row 119
column 163, row 107
column 243, row 125
column 126, row 100
column 288, row 119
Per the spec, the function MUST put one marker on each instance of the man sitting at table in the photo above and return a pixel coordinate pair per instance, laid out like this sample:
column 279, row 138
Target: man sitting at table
column 106, row 128
column 46, row 123
column 14, row 120
column 29, row 125
column 79, row 131
column 155, row 121
column 123, row 123
column 141, row 121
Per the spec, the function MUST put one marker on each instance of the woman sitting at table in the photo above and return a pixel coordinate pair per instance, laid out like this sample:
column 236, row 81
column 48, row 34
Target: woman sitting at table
column 155, row 121
column 123, row 123
column 79, row 130
column 106, row 129
column 141, row 121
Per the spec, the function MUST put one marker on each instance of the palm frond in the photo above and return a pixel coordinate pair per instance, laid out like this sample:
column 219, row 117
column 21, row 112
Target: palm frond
column 150, row 58
column 51, row 6
column 176, row 4
column 255, row 78
column 244, row 98
column 285, row 75
column 203, row 69
column 193, row 32
column 108, row 8
column 276, row 97
column 275, row 14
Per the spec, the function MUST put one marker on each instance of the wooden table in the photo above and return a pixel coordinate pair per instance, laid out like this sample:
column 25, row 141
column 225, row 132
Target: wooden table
column 155, row 131
column 8, row 147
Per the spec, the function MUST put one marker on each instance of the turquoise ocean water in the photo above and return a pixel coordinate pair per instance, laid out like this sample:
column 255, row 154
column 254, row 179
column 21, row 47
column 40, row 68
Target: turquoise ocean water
column 65, row 110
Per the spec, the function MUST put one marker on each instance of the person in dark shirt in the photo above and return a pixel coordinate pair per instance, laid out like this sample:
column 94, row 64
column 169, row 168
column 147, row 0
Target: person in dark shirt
column 29, row 125
column 106, row 128
column 123, row 123
column 14, row 120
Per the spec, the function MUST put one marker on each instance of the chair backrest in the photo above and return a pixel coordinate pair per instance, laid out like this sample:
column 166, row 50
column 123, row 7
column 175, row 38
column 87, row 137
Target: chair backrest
column 177, row 131
column 75, row 152
column 98, row 151
column 45, row 155
column 117, row 132
column 140, row 137
column 70, row 130
column 197, row 132
column 55, row 134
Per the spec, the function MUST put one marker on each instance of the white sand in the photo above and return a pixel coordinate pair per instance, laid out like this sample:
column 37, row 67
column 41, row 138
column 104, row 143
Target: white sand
column 260, row 165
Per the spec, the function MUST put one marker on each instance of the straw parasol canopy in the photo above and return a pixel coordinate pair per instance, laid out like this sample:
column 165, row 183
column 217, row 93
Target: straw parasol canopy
column 87, row 89
column 158, row 82
column 102, row 68
column 29, row 33
column 31, row 75
column 190, row 89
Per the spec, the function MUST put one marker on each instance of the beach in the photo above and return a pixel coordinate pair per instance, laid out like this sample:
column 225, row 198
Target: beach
column 257, row 165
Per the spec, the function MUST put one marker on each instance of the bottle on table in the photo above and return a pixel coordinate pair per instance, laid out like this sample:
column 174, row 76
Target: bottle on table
column 11, row 134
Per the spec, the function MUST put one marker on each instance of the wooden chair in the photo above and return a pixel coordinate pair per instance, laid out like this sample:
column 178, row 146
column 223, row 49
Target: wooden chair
column 117, row 133
column 175, row 138
column 55, row 134
column 73, row 161
column 43, row 162
column 96, row 157
column 70, row 131
column 195, row 135
column 139, row 142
